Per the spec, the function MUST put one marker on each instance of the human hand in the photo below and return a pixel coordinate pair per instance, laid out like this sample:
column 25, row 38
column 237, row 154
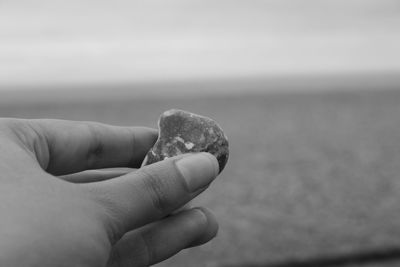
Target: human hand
column 56, row 213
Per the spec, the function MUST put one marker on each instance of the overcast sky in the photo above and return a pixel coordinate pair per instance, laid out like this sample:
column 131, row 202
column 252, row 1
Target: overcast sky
column 88, row 41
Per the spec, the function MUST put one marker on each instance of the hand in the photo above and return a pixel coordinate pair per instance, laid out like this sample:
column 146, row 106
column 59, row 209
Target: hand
column 54, row 212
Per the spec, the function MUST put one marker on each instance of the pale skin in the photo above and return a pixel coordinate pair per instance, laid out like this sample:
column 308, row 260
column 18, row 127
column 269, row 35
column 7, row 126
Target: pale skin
column 62, row 203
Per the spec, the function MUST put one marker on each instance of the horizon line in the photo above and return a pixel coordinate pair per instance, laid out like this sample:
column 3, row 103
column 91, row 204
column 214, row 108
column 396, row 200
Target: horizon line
column 333, row 82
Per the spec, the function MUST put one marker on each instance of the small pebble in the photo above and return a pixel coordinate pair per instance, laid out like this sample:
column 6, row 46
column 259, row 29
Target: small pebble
column 183, row 132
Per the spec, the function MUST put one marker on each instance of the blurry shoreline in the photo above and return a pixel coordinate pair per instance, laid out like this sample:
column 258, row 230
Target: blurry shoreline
column 294, row 84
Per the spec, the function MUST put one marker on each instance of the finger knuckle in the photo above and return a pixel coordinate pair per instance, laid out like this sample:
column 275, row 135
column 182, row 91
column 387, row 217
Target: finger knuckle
column 16, row 127
column 157, row 190
column 29, row 135
column 96, row 147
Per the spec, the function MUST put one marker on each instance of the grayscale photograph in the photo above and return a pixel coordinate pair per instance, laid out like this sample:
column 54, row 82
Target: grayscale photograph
column 188, row 133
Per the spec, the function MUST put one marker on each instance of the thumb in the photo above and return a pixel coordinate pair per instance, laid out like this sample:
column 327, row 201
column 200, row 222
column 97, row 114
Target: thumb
column 154, row 191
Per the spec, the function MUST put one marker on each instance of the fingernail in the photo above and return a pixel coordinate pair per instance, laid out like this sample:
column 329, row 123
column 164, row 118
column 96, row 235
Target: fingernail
column 198, row 170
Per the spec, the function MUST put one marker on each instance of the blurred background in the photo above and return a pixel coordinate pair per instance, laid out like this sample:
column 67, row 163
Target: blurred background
column 307, row 92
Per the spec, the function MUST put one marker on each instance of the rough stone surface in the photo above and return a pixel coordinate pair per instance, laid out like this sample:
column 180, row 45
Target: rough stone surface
column 184, row 132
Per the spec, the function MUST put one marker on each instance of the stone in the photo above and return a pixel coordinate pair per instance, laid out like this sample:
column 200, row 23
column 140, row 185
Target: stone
column 183, row 132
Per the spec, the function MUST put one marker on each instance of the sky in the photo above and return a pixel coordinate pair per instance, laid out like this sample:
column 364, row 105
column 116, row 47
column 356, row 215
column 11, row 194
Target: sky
column 54, row 42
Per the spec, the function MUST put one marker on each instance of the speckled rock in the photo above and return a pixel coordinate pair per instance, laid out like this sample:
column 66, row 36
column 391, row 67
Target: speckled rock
column 184, row 132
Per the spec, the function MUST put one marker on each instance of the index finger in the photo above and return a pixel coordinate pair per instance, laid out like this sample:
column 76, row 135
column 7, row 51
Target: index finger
column 63, row 147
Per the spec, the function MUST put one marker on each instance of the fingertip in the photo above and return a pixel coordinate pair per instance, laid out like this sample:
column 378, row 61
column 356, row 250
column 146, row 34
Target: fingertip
column 145, row 133
column 152, row 131
column 198, row 170
column 165, row 238
column 143, row 139
column 211, row 228
column 214, row 161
